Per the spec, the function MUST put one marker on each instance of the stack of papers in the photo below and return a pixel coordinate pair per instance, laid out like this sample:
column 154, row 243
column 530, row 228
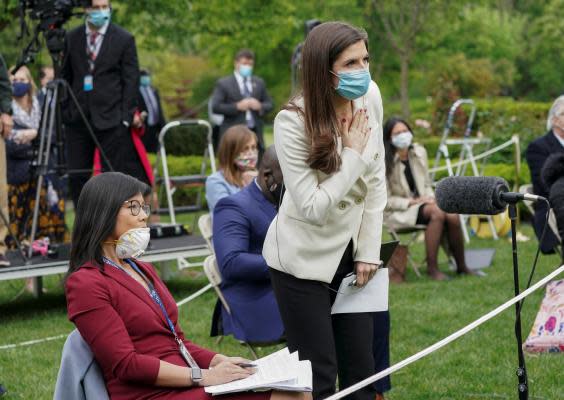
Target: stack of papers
column 280, row 371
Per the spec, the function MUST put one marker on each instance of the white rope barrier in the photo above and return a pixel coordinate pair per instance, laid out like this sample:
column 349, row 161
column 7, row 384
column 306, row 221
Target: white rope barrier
column 63, row 336
column 194, row 295
column 30, row 342
column 447, row 340
column 477, row 157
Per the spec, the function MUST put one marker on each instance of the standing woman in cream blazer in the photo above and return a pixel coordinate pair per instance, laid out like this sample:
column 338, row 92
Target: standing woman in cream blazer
column 411, row 199
column 329, row 143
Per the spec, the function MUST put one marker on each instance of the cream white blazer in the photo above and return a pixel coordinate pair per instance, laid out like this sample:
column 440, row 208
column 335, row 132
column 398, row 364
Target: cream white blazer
column 320, row 213
column 398, row 212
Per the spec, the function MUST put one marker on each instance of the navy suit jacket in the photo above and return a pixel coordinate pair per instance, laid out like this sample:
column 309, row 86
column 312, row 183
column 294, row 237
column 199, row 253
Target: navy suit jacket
column 240, row 223
column 538, row 152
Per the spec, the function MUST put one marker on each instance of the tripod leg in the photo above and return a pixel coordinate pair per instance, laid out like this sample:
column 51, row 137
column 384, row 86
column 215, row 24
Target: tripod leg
column 18, row 244
column 88, row 127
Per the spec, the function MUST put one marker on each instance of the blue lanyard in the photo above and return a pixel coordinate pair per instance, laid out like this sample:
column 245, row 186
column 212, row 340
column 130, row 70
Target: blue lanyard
column 157, row 299
column 152, row 291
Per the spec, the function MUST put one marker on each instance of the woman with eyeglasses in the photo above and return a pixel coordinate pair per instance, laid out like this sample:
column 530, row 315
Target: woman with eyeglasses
column 124, row 311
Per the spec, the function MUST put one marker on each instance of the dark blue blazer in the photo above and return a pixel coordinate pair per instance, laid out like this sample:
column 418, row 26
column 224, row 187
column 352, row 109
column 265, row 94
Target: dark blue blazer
column 240, row 223
column 537, row 153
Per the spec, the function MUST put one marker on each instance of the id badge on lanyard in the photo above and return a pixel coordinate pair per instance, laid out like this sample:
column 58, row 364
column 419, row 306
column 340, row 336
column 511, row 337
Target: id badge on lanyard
column 186, row 354
column 88, row 83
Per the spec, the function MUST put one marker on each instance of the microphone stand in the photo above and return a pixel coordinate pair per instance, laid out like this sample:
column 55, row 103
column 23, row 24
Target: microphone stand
column 523, row 386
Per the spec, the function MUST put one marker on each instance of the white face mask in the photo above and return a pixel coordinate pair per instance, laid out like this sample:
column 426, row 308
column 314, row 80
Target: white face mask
column 402, row 140
column 133, row 243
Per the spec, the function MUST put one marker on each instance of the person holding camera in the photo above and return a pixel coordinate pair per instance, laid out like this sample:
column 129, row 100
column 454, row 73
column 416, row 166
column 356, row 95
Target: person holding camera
column 102, row 70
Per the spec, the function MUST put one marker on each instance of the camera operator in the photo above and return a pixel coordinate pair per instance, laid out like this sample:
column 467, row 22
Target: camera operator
column 6, row 124
column 101, row 67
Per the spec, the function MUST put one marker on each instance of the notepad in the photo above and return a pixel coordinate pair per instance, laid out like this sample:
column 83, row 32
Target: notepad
column 371, row 298
column 281, row 370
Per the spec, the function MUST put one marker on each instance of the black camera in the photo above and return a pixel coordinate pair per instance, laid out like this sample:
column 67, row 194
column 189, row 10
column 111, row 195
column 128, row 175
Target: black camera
column 52, row 12
column 51, row 15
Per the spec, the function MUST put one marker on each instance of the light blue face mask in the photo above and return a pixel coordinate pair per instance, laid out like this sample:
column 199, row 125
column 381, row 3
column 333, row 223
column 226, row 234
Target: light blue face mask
column 99, row 17
column 145, row 80
column 353, row 84
column 245, row 70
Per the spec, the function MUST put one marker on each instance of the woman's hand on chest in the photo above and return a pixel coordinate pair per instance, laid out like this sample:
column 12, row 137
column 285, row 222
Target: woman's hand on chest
column 355, row 132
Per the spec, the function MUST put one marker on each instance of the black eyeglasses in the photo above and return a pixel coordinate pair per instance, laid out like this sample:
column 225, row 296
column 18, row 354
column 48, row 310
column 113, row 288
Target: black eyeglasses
column 135, row 207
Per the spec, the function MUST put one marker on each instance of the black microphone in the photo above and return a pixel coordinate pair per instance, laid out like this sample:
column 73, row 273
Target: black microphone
column 477, row 195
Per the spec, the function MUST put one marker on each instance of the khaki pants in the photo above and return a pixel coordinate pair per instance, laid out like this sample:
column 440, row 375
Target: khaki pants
column 3, row 196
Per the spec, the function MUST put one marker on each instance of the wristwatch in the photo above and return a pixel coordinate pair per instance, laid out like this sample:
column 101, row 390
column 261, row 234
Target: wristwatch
column 196, row 376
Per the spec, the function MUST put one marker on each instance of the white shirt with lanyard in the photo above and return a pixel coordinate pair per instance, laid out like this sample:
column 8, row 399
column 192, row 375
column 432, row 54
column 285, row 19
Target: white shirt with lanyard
column 246, row 89
column 157, row 299
column 92, row 51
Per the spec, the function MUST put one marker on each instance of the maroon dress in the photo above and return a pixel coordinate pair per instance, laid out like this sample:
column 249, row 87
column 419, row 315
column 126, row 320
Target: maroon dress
column 128, row 333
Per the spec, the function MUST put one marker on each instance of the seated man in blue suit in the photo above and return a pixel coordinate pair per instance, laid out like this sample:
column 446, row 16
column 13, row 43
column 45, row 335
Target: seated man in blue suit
column 240, row 223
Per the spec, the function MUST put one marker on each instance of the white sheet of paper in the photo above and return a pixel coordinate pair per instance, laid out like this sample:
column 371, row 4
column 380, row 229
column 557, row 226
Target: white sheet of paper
column 280, row 370
column 371, row 298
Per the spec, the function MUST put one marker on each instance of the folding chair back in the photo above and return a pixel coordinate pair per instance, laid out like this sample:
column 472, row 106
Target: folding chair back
column 205, row 225
column 214, row 277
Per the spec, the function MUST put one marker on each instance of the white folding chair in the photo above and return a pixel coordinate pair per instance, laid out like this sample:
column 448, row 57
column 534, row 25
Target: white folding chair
column 205, row 226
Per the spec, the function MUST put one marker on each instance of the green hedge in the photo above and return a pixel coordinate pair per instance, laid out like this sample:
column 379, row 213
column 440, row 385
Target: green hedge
column 190, row 165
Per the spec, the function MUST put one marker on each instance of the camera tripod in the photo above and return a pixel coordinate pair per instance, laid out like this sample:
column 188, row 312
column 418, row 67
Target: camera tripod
column 51, row 127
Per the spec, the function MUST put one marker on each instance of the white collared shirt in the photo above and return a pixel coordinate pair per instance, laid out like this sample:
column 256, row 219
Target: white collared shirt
column 241, row 82
column 101, row 33
column 558, row 138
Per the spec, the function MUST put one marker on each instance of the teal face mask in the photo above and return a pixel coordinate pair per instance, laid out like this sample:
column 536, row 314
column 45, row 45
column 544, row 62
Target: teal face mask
column 99, row 17
column 245, row 70
column 145, row 80
column 353, row 84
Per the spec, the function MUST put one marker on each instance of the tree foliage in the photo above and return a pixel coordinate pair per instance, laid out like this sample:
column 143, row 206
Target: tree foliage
column 503, row 47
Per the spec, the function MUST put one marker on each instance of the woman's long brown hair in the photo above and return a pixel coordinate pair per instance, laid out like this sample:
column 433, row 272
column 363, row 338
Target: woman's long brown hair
column 322, row 47
column 231, row 144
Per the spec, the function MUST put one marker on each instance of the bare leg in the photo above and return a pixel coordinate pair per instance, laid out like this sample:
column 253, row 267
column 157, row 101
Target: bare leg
column 456, row 243
column 433, row 234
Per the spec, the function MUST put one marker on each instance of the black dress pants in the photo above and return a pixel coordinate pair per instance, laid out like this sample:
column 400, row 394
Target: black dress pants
column 116, row 144
column 339, row 344
column 381, row 349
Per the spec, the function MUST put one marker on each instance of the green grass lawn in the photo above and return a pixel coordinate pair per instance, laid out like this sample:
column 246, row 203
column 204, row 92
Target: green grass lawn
column 481, row 365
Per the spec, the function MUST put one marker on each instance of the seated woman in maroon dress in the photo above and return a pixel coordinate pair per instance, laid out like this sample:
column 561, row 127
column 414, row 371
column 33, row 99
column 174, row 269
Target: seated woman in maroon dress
column 124, row 311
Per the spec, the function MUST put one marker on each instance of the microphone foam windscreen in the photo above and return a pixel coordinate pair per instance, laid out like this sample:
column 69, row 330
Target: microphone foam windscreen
column 470, row 194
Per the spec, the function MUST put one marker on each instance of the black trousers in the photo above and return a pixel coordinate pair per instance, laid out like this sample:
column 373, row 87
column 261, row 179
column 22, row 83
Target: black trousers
column 381, row 349
column 339, row 344
column 116, row 144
